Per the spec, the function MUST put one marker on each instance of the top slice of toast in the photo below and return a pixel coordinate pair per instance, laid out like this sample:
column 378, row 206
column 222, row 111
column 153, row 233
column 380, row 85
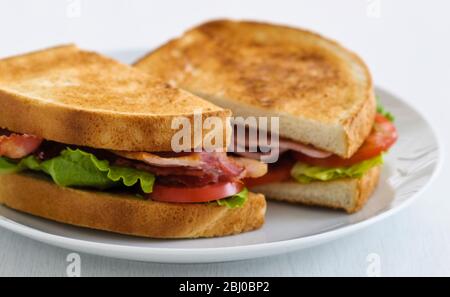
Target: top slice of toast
column 78, row 97
column 322, row 92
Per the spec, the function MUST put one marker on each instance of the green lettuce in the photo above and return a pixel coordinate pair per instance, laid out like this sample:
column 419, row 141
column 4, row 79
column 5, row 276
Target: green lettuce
column 237, row 200
column 30, row 162
column 304, row 173
column 7, row 167
column 381, row 110
column 77, row 168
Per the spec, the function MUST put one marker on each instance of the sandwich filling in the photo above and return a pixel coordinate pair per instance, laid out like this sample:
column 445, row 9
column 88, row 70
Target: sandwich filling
column 310, row 165
column 164, row 176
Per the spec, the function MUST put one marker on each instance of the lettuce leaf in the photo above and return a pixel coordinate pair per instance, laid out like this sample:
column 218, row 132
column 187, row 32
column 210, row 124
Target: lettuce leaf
column 235, row 201
column 304, row 173
column 130, row 176
column 7, row 167
column 381, row 110
column 77, row 168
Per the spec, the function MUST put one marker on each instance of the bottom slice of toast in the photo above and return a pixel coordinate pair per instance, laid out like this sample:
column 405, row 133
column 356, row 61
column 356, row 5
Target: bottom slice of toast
column 127, row 214
column 349, row 194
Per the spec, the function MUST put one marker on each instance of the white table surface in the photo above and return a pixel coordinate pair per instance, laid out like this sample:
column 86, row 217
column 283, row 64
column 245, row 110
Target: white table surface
column 405, row 43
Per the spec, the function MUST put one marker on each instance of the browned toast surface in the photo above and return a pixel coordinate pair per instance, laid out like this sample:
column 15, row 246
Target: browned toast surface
column 80, row 97
column 322, row 92
column 127, row 214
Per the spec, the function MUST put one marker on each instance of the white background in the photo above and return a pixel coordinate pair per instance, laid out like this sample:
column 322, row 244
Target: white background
column 405, row 43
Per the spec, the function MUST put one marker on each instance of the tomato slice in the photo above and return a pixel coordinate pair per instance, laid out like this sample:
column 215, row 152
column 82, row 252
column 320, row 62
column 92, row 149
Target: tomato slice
column 383, row 136
column 195, row 194
column 16, row 146
column 277, row 172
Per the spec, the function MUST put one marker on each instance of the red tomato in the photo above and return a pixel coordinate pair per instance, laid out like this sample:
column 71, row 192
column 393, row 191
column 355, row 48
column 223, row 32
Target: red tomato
column 279, row 172
column 382, row 137
column 195, row 194
column 16, row 146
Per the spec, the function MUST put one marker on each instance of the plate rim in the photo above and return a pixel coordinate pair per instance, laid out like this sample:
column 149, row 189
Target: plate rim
column 233, row 253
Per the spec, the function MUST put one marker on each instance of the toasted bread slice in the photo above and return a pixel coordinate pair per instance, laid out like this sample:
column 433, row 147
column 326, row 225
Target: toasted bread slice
column 349, row 194
column 322, row 92
column 127, row 214
column 78, row 97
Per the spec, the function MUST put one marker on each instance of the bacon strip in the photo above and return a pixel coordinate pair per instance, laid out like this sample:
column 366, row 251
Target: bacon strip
column 187, row 168
column 284, row 145
column 193, row 168
column 17, row 146
column 190, row 160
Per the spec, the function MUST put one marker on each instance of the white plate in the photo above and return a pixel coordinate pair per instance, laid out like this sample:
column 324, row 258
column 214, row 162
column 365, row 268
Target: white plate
column 410, row 166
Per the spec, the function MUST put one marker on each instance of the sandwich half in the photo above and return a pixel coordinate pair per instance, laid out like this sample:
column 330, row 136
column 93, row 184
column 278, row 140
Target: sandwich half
column 331, row 136
column 86, row 140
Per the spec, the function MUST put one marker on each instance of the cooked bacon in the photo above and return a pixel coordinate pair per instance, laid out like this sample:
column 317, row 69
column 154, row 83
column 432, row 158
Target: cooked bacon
column 173, row 175
column 202, row 161
column 286, row 144
column 241, row 145
column 16, row 146
column 190, row 160
column 194, row 168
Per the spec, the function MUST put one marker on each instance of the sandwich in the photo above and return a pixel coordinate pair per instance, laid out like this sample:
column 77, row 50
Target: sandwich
column 86, row 140
column 332, row 135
